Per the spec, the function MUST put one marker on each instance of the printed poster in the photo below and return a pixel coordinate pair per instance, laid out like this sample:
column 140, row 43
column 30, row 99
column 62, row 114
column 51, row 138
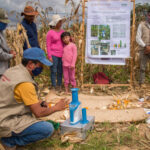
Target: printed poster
column 108, row 30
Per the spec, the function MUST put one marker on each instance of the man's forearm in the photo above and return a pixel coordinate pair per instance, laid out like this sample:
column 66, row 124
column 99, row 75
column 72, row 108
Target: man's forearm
column 45, row 111
column 41, row 109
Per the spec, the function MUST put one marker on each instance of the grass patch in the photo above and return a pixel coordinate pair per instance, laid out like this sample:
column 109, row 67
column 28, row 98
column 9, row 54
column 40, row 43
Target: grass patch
column 111, row 136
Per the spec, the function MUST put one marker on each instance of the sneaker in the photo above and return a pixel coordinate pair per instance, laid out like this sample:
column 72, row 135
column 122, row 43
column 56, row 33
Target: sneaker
column 53, row 88
column 59, row 88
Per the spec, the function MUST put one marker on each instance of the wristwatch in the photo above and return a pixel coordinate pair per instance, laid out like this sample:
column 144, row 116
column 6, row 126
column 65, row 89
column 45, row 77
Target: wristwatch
column 43, row 104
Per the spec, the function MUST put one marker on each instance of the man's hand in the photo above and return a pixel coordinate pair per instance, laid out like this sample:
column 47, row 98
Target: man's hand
column 62, row 104
column 13, row 53
column 147, row 50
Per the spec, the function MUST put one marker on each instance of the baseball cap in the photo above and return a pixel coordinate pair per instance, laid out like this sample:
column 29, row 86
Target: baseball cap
column 35, row 53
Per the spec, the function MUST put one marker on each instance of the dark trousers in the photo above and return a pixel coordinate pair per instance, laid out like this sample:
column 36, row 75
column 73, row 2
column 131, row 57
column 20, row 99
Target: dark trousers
column 56, row 70
column 143, row 63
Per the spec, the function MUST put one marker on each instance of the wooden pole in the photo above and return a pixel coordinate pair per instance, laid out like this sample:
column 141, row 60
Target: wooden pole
column 83, row 40
column 132, row 43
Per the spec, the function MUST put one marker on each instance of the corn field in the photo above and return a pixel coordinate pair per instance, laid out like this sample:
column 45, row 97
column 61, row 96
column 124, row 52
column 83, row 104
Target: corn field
column 73, row 24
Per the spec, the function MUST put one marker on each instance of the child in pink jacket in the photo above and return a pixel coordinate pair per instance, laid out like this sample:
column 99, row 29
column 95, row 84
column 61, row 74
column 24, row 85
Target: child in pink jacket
column 69, row 60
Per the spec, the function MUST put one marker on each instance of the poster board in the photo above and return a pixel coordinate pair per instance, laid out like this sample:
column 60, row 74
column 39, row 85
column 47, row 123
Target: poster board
column 108, row 32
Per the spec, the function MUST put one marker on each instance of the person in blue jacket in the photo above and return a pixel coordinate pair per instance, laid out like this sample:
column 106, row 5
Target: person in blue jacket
column 30, row 27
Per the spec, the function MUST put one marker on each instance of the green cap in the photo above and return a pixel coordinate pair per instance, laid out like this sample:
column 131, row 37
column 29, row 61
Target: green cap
column 3, row 16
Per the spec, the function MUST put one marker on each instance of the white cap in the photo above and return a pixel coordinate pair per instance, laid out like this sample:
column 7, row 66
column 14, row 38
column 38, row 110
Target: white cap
column 55, row 20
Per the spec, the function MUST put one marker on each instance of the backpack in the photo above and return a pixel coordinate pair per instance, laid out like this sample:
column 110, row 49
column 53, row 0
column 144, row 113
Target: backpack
column 101, row 78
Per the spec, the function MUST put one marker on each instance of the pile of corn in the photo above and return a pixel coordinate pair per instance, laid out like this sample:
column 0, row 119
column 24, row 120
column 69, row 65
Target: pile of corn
column 119, row 104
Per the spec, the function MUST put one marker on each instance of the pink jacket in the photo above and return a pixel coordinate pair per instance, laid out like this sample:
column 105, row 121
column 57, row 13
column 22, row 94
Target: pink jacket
column 54, row 44
column 69, row 55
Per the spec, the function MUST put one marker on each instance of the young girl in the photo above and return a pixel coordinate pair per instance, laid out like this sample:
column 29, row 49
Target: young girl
column 55, row 50
column 68, row 59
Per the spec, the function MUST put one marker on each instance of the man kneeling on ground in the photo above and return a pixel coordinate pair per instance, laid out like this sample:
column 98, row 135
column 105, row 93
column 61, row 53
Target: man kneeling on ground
column 19, row 101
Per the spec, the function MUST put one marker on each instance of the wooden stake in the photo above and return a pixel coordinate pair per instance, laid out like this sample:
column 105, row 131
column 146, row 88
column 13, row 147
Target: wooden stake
column 101, row 85
column 83, row 41
column 132, row 44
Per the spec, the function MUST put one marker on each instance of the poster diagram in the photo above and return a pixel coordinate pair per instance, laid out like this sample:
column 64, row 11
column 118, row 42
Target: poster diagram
column 108, row 29
column 119, row 31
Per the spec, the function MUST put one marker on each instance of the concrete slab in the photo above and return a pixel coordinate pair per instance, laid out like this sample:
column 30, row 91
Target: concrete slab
column 80, row 129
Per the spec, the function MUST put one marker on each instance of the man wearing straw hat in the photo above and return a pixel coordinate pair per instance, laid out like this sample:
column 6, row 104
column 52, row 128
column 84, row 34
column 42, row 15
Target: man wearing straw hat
column 30, row 27
column 143, row 40
column 5, row 53
column 18, row 101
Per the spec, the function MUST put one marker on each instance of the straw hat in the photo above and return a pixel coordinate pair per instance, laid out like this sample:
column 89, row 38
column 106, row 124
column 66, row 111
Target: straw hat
column 29, row 11
column 55, row 20
column 3, row 16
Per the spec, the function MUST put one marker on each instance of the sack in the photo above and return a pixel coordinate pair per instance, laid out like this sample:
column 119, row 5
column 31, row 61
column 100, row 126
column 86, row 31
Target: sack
column 101, row 78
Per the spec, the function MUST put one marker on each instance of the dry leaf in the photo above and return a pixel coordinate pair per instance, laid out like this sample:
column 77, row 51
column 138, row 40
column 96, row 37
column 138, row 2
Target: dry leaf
column 76, row 10
column 66, row 1
column 46, row 90
column 71, row 136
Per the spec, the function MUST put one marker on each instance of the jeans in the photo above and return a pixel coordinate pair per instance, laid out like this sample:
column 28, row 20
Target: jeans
column 143, row 62
column 33, row 133
column 56, row 69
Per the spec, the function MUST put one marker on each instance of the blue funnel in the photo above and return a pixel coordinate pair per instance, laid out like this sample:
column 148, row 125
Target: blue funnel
column 75, row 107
column 75, row 100
column 72, row 109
